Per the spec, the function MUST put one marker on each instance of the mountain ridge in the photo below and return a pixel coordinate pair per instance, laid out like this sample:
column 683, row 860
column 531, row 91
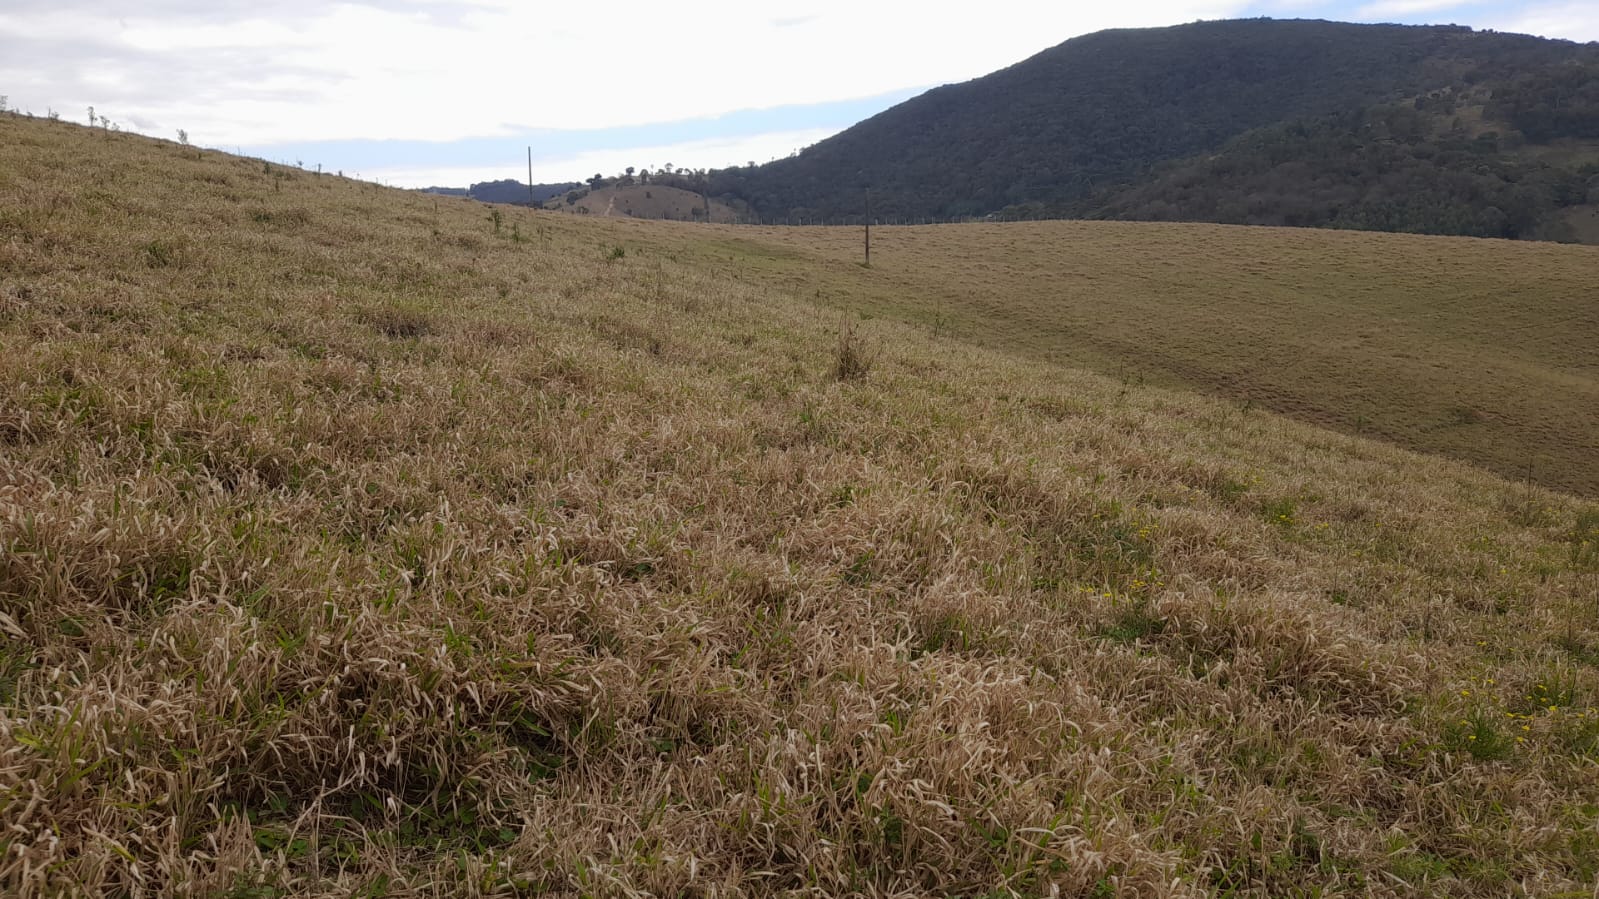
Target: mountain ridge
column 1067, row 132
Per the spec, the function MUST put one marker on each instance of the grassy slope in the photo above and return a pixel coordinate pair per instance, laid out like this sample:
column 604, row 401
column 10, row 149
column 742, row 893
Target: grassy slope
column 345, row 545
column 645, row 201
column 1479, row 350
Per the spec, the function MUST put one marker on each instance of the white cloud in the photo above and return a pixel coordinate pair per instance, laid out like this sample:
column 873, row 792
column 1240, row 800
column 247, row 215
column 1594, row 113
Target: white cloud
column 1407, row 8
column 1577, row 21
column 702, row 154
column 246, row 74
column 233, row 72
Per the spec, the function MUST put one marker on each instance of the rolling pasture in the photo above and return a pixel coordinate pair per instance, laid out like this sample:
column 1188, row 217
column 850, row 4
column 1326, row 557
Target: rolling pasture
column 1478, row 350
column 359, row 542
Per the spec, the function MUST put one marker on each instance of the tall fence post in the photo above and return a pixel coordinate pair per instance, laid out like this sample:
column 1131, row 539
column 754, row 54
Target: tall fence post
column 868, row 227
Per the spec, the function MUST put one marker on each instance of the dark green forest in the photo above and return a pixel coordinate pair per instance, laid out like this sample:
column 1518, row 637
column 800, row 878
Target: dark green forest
column 1427, row 129
column 1383, row 169
column 506, row 191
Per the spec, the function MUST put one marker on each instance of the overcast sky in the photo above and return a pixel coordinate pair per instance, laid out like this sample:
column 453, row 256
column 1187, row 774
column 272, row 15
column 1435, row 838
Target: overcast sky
column 416, row 93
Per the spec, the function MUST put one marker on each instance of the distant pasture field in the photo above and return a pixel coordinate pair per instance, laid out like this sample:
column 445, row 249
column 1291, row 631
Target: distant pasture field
column 1483, row 351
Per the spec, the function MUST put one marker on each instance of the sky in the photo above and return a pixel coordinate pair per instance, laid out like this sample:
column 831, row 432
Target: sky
column 414, row 93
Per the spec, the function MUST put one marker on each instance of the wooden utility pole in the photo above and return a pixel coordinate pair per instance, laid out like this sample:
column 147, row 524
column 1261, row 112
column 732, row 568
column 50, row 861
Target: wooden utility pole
column 530, row 200
column 868, row 226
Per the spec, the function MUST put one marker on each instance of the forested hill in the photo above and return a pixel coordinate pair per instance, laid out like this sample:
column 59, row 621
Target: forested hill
column 1234, row 121
column 506, row 191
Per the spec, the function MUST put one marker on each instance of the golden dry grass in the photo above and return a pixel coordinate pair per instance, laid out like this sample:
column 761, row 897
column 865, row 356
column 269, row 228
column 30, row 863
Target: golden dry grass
column 349, row 548
column 1478, row 350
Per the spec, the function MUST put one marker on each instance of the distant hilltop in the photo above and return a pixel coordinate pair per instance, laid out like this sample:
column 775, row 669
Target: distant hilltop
column 1439, row 130
column 507, row 191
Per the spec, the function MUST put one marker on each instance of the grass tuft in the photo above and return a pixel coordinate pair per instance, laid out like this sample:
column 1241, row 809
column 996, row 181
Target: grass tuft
column 400, row 322
column 852, row 359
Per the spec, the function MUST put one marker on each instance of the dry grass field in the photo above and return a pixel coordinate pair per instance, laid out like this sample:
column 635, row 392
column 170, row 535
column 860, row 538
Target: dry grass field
column 354, row 542
column 1478, row 350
